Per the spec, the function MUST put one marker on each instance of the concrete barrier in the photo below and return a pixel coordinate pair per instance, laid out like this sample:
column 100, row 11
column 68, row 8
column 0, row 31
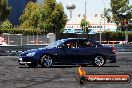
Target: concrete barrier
column 16, row 49
column 124, row 47
column 121, row 47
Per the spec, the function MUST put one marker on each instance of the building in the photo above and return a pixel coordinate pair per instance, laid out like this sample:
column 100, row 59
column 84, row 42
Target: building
column 17, row 10
column 96, row 24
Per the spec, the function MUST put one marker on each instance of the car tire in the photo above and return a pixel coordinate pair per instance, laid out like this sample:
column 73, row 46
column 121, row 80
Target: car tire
column 46, row 61
column 98, row 61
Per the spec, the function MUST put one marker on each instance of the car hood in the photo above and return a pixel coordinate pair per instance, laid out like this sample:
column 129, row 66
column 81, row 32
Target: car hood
column 46, row 48
column 28, row 51
column 35, row 50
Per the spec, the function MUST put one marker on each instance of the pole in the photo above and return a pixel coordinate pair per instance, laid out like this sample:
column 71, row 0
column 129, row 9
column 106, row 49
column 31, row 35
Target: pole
column 37, row 41
column 85, row 18
column 33, row 39
column 104, row 14
column 27, row 39
column 100, row 31
column 8, row 39
column 21, row 38
column 104, row 19
column 126, row 37
column 70, row 13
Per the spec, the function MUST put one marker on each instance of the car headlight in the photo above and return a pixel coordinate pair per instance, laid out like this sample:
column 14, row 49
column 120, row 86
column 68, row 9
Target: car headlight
column 31, row 54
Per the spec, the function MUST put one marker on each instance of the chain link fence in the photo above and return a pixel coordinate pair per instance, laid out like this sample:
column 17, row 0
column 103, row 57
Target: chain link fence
column 19, row 39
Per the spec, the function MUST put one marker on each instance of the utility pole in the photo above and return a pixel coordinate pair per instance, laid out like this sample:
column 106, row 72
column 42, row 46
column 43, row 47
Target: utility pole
column 104, row 13
column 85, row 17
column 100, row 31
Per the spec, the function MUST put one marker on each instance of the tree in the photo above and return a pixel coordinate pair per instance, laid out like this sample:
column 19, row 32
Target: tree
column 84, row 24
column 31, row 16
column 6, row 25
column 4, row 10
column 54, row 18
column 49, row 15
column 107, row 14
column 121, row 13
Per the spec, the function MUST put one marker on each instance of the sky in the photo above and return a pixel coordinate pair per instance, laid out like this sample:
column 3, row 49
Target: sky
column 92, row 7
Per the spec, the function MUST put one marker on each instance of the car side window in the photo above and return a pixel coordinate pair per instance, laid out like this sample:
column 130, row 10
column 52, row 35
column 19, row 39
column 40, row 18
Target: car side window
column 89, row 44
column 84, row 44
column 70, row 44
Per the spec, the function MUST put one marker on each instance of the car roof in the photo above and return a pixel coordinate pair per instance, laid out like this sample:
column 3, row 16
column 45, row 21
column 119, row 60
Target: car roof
column 74, row 39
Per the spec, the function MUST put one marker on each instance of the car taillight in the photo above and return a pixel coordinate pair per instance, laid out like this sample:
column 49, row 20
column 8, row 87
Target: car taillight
column 113, row 50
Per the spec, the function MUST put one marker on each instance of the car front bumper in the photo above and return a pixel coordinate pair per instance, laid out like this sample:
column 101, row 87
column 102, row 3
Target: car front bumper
column 21, row 62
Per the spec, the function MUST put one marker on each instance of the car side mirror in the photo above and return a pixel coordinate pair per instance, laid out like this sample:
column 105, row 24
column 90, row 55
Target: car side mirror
column 64, row 46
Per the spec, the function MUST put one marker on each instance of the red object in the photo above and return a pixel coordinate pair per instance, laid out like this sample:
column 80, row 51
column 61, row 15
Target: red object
column 114, row 50
column 2, row 41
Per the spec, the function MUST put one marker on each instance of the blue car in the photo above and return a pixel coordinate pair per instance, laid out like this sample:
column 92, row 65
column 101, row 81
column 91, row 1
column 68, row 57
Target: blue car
column 79, row 51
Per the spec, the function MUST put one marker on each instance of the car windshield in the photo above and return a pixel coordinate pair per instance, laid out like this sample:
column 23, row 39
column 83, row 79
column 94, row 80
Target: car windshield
column 55, row 44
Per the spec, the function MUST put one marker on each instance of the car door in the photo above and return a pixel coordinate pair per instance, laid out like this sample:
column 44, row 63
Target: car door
column 60, row 54
column 86, row 49
column 70, row 50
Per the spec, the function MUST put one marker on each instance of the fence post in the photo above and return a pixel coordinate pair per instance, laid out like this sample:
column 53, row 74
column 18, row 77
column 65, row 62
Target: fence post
column 33, row 39
column 51, row 37
column 8, row 37
column 27, row 38
column 126, row 38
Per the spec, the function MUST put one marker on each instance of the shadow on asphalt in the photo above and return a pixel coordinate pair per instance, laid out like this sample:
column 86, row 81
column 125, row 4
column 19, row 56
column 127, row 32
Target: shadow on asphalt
column 52, row 67
column 101, row 67
column 68, row 66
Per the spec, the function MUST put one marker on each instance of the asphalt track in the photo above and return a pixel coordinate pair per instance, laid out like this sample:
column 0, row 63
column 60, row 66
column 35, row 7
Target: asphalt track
column 12, row 75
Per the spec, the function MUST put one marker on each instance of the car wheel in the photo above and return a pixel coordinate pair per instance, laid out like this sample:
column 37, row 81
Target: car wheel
column 46, row 61
column 99, row 61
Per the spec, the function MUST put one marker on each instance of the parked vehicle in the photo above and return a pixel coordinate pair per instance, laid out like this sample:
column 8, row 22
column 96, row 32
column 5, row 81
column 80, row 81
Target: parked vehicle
column 72, row 30
column 80, row 51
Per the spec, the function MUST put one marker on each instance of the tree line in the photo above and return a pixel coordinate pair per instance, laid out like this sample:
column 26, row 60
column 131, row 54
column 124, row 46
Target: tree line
column 49, row 16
